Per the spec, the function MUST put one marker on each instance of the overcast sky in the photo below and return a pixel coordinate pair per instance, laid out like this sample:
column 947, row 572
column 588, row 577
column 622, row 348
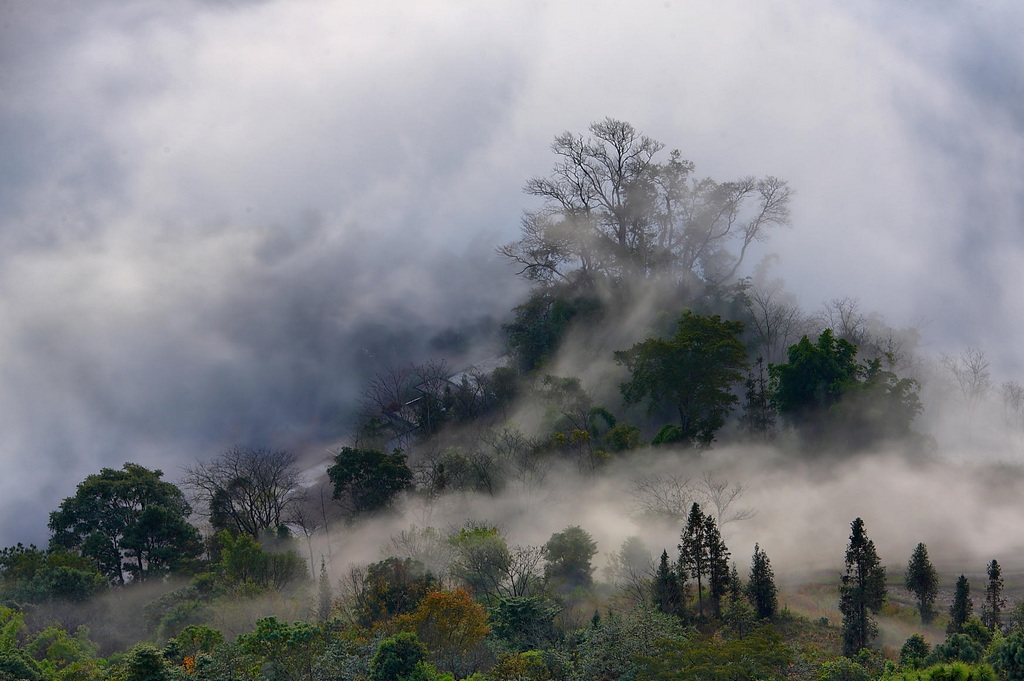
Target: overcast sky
column 212, row 212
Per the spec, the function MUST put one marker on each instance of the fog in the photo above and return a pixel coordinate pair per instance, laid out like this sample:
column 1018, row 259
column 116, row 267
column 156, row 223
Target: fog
column 216, row 221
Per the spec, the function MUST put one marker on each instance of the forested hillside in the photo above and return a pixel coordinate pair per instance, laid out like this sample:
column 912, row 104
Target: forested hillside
column 654, row 477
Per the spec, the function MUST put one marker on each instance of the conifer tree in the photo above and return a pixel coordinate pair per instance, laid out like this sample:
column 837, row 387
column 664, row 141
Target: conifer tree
column 324, row 599
column 693, row 553
column 736, row 589
column 994, row 601
column 667, row 591
column 962, row 608
column 862, row 591
column 761, row 587
column 923, row 581
column 718, row 565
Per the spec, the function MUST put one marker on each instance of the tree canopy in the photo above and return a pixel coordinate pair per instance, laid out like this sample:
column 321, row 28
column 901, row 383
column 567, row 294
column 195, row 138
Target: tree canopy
column 132, row 523
column 693, row 373
column 612, row 211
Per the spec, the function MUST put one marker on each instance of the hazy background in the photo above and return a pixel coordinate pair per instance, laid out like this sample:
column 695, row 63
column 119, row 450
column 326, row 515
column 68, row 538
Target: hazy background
column 216, row 217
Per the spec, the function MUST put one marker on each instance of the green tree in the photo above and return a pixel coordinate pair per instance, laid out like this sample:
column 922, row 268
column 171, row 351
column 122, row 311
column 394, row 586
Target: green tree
column 914, row 652
column 1008, row 657
column 132, row 523
column 694, row 561
column 693, row 373
column 922, row 580
column 392, row 587
column 397, row 657
column 31, row 575
column 994, row 605
column 957, row 648
column 567, row 556
column 862, row 591
column 761, row 587
column 815, row 377
column 324, row 595
column 823, row 389
column 524, row 622
column 962, row 607
column 667, row 594
column 244, row 561
column 367, row 480
column 718, row 565
column 762, row 654
column 541, row 323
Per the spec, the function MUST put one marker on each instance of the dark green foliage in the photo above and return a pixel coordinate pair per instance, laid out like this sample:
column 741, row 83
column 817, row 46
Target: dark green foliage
column 1008, row 657
column 282, row 650
column 693, row 553
column 524, row 622
column 954, row 671
column 613, row 648
column 976, row 629
column 145, row 663
column 397, row 657
column 761, row 587
column 862, row 591
column 962, row 607
column 718, row 565
column 762, row 654
column 692, row 373
column 914, row 652
column 130, row 522
column 823, row 389
column 922, row 580
column 368, row 480
column 542, row 322
column 667, row 593
column 243, row 561
column 392, row 587
column 991, row 610
column 702, row 553
column 668, row 434
column 843, row 669
column 957, row 648
column 567, row 556
column 30, row 575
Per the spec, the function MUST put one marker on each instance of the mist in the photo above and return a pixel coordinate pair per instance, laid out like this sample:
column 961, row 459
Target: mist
column 216, row 223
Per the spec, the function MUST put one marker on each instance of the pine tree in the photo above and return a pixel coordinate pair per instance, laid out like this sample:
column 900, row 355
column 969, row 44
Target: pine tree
column 736, row 589
column 761, row 587
column 962, row 608
column 693, row 553
column 325, row 599
column 994, row 601
column 923, row 581
column 718, row 565
column 862, row 591
column 667, row 592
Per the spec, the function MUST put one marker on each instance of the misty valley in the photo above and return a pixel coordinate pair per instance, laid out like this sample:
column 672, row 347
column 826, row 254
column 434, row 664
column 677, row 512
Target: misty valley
column 657, row 466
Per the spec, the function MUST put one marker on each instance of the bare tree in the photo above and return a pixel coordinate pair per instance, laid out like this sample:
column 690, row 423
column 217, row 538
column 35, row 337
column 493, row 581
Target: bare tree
column 844, row 317
column 663, row 496
column 971, row 375
column 1013, row 407
column 775, row 320
column 246, row 490
column 631, row 569
column 610, row 209
column 719, row 496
